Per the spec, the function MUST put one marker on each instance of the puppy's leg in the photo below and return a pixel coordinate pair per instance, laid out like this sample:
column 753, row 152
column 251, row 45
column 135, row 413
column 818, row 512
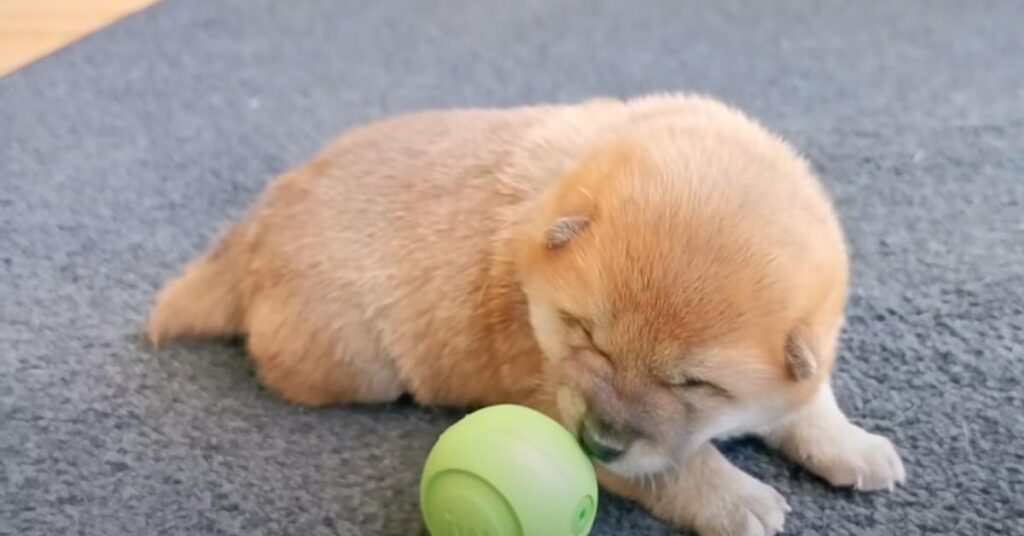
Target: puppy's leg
column 708, row 494
column 820, row 438
column 314, row 357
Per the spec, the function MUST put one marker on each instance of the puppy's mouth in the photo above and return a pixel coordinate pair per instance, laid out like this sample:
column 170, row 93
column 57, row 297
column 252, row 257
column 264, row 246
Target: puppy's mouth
column 625, row 456
column 618, row 453
column 600, row 447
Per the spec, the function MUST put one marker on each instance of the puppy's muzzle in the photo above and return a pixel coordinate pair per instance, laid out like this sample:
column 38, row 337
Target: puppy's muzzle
column 602, row 441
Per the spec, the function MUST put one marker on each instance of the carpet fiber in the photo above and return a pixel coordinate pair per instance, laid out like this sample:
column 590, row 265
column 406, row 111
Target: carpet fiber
column 121, row 156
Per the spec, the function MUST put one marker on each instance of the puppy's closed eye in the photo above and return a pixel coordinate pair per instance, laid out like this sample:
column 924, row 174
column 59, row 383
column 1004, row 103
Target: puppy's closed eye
column 691, row 383
column 583, row 329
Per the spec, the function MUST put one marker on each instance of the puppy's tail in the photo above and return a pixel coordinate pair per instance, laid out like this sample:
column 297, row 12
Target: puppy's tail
column 205, row 300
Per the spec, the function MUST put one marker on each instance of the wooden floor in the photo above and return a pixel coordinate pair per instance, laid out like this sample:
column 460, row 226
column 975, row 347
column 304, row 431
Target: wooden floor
column 31, row 29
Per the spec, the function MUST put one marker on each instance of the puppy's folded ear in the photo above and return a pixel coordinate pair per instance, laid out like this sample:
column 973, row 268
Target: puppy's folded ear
column 564, row 230
column 801, row 359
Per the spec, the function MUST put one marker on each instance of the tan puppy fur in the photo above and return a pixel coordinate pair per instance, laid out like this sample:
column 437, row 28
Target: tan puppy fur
column 654, row 273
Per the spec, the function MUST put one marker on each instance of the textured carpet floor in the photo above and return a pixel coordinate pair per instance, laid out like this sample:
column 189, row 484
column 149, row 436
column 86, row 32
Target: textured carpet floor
column 121, row 156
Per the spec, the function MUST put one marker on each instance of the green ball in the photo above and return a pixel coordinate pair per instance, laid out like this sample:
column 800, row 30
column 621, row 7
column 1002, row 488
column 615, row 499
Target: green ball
column 508, row 471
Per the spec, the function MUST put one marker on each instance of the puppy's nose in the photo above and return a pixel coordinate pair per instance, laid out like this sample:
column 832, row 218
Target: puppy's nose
column 601, row 441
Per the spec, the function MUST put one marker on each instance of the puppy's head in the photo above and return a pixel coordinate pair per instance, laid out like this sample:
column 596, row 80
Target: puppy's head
column 687, row 280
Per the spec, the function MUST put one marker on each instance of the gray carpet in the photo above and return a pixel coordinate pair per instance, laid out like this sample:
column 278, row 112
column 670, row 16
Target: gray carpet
column 122, row 155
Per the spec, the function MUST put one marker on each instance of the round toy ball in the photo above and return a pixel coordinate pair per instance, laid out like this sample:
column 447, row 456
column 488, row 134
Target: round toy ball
column 508, row 471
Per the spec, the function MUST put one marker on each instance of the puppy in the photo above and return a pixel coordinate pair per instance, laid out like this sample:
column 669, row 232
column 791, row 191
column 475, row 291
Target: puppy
column 655, row 274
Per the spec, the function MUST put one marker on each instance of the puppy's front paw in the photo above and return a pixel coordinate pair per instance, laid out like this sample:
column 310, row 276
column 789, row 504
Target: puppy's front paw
column 855, row 458
column 740, row 505
column 708, row 494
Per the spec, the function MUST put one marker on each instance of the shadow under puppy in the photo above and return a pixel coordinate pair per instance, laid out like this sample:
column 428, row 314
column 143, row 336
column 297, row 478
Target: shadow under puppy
column 654, row 273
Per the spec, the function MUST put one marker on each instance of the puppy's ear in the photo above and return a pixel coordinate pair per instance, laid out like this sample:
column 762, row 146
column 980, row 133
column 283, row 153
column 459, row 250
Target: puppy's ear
column 801, row 358
column 564, row 230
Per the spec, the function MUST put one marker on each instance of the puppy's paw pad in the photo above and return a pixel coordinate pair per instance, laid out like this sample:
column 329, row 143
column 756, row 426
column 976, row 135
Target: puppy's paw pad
column 860, row 460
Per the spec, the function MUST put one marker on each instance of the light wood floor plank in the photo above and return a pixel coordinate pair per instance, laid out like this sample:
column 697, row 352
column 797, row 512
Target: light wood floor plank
column 31, row 29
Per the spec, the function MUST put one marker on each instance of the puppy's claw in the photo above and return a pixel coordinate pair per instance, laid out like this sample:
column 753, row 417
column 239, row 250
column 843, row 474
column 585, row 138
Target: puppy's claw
column 751, row 508
column 865, row 461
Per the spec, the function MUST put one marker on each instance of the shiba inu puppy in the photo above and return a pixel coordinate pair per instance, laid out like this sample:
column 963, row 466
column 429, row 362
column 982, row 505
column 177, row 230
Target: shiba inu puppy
column 654, row 273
